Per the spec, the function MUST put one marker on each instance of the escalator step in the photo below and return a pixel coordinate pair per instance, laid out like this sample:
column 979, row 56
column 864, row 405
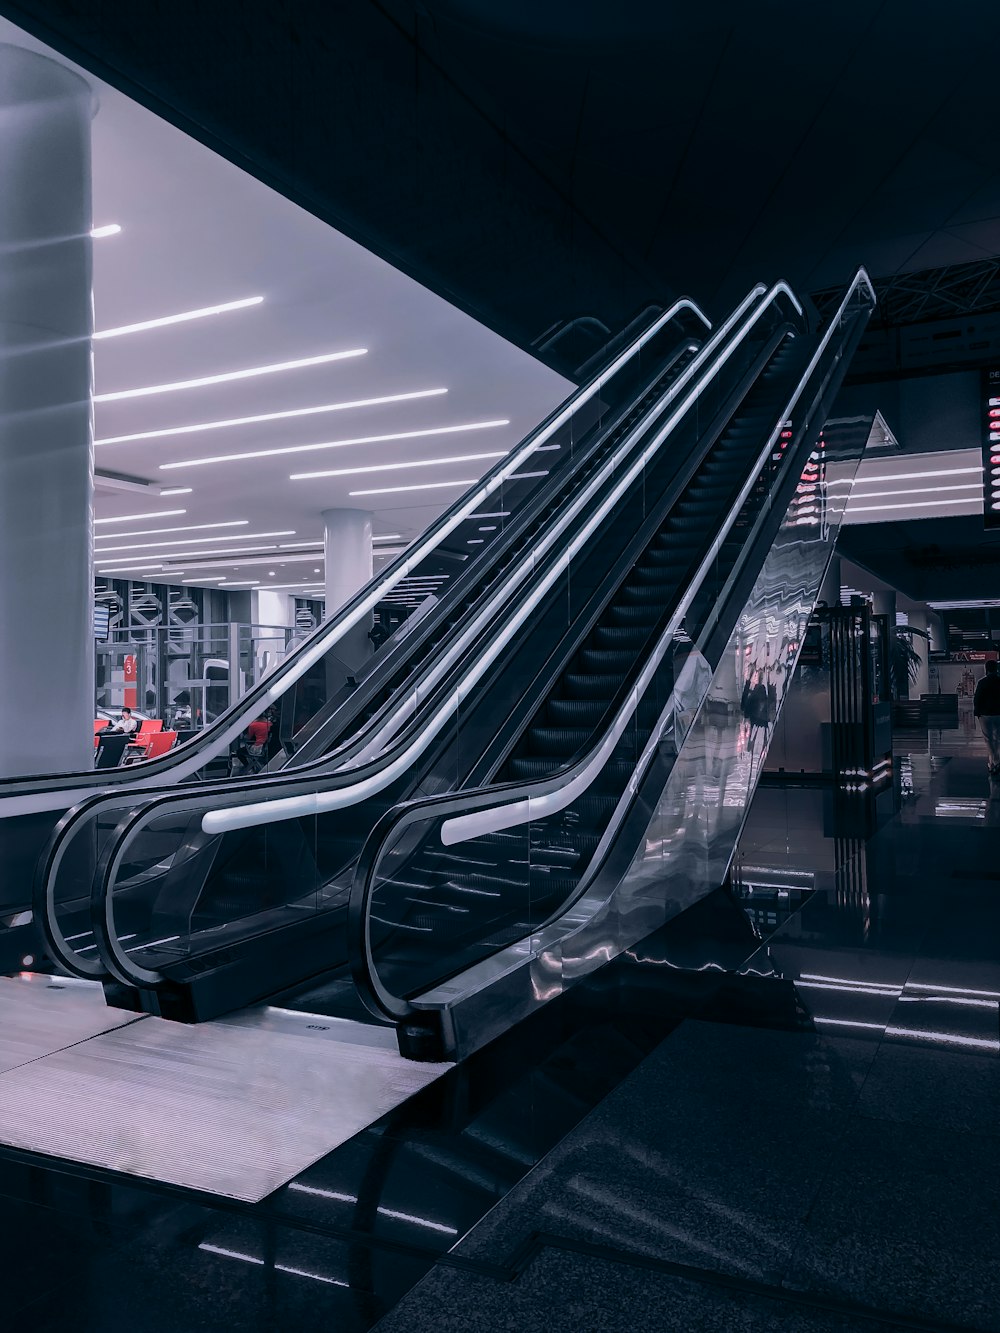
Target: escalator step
column 632, row 615
column 560, row 742
column 606, row 661
column 656, row 595
column 584, row 685
column 530, row 767
column 620, row 636
column 575, row 712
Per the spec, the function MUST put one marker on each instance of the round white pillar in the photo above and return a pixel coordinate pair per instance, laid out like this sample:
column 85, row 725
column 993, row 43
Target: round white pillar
column 347, row 541
column 46, row 436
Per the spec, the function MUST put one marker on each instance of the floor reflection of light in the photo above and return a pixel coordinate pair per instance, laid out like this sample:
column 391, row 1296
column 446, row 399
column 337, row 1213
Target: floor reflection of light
column 851, row 990
column 853, row 981
column 386, row 1212
column 281, row 1268
column 953, row 990
column 952, row 808
column 915, row 1034
column 947, row 999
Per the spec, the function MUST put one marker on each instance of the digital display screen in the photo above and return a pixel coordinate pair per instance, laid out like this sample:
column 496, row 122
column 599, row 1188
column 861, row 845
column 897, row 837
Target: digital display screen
column 102, row 621
column 990, row 419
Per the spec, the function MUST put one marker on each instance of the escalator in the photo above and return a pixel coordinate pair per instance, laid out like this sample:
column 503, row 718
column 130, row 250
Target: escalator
column 324, row 705
column 440, row 860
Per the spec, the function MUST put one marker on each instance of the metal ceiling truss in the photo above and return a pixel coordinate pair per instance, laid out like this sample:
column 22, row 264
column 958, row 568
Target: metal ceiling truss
column 934, row 293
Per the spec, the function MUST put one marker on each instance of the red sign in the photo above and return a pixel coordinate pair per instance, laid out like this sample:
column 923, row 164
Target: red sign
column 131, row 665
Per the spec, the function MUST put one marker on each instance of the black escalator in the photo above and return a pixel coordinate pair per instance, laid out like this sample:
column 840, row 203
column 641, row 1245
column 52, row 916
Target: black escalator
column 553, row 693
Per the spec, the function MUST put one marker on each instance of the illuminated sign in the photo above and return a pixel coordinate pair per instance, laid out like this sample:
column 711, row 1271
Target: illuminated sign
column 990, row 417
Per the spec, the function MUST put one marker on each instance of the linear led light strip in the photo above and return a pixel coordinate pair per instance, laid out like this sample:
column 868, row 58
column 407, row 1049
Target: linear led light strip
column 122, row 560
column 868, row 480
column 271, row 416
column 218, row 821
column 335, row 444
column 189, row 541
column 186, row 527
column 337, row 626
column 913, row 490
column 277, row 557
column 182, row 318
column 136, row 518
column 912, row 504
column 399, row 467
column 580, row 777
column 227, row 377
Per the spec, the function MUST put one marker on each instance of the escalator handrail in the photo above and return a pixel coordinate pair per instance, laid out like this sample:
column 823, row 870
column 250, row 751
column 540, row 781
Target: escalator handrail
column 185, row 760
column 492, row 808
column 391, row 765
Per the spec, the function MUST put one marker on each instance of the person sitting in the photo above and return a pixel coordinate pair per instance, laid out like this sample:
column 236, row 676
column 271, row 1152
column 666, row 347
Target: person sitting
column 127, row 725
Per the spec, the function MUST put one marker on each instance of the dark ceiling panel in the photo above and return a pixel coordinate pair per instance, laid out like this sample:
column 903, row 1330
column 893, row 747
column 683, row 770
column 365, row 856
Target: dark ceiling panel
column 534, row 161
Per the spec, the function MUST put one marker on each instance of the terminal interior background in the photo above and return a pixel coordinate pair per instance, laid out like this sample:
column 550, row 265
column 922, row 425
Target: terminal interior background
column 577, row 437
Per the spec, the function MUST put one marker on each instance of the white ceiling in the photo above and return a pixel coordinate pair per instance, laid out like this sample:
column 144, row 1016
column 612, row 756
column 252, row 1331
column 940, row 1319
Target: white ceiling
column 197, row 232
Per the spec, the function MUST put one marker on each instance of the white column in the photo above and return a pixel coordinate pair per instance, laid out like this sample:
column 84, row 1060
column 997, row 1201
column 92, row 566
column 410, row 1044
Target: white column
column 921, row 684
column 347, row 539
column 46, row 437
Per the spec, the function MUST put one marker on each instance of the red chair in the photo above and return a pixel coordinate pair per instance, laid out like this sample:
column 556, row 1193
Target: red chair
column 148, row 745
column 99, row 724
column 148, row 725
column 160, row 742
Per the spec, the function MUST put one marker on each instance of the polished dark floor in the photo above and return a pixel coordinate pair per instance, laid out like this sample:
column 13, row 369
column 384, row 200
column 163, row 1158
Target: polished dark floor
column 779, row 1113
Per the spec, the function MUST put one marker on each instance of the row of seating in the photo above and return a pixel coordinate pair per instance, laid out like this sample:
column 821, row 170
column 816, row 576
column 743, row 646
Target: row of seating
column 115, row 748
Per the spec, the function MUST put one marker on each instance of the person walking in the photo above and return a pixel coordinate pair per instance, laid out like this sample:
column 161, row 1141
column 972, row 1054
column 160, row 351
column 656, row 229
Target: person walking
column 986, row 706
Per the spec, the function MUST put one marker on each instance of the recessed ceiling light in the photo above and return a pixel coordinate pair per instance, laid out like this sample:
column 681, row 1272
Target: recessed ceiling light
column 334, row 444
column 226, row 377
column 226, row 562
column 397, row 467
column 271, row 416
column 915, row 504
column 424, row 486
column 272, row 572
column 112, row 229
column 135, row 518
column 186, row 527
column 182, row 318
column 192, row 555
column 176, row 490
column 911, row 490
column 189, row 541
column 239, row 583
column 316, row 571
